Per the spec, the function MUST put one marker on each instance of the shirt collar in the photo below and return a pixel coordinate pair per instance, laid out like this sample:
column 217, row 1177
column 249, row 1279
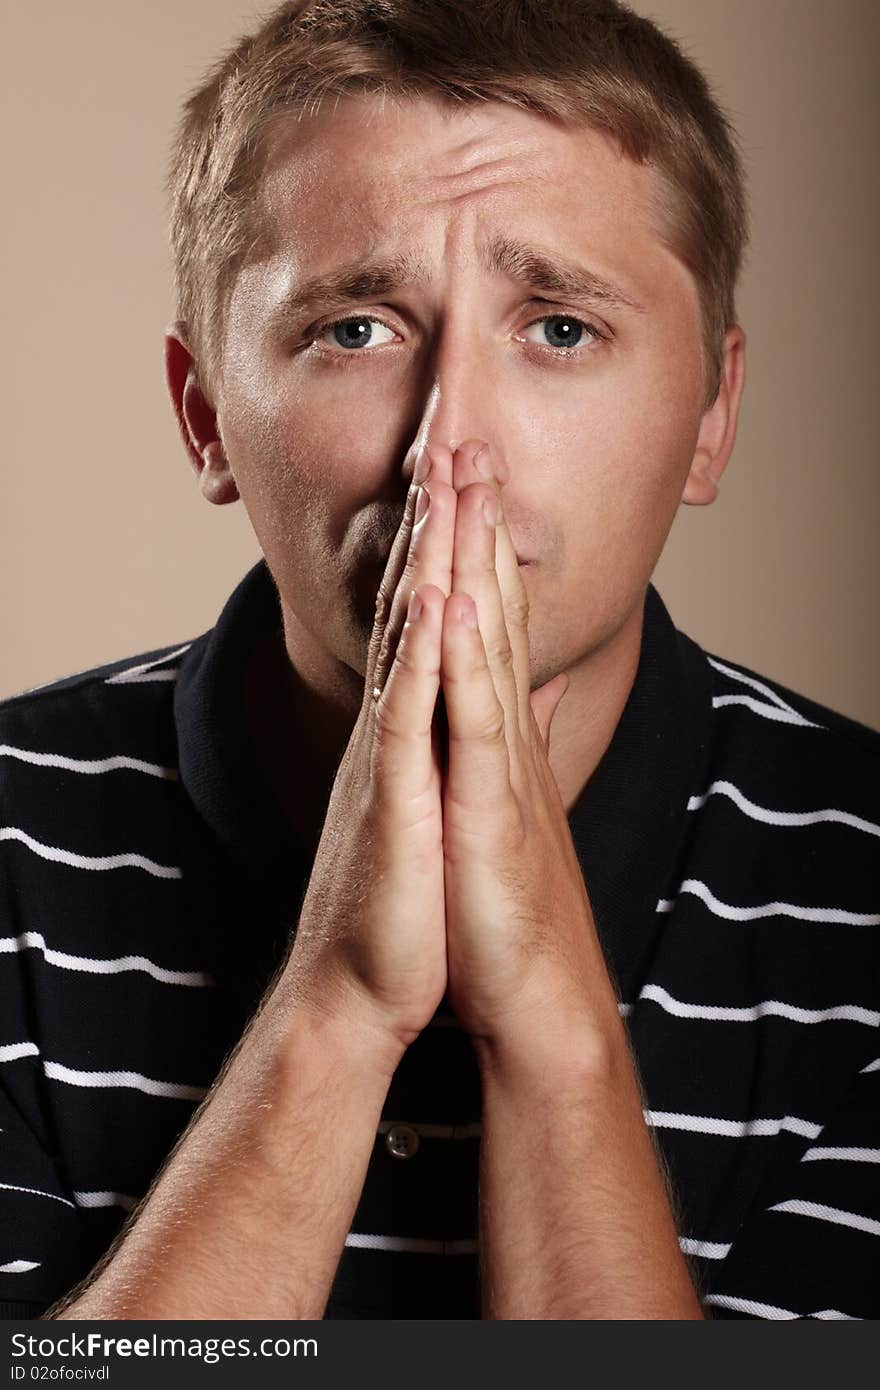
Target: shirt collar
column 627, row 825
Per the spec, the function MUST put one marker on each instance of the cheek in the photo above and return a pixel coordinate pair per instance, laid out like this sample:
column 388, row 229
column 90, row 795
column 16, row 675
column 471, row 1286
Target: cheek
column 610, row 459
column 611, row 456
column 323, row 493
column 304, row 467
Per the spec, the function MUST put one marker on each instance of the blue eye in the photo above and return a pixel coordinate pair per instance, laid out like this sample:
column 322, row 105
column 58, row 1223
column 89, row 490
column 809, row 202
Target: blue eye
column 354, row 332
column 569, row 335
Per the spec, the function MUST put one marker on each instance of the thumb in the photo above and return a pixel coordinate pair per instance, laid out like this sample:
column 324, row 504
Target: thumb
column 545, row 701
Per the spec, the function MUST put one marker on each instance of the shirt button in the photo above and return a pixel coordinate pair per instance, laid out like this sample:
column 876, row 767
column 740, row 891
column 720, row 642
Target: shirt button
column 401, row 1141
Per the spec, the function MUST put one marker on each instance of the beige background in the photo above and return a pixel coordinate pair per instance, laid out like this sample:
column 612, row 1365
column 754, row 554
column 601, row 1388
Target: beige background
column 106, row 546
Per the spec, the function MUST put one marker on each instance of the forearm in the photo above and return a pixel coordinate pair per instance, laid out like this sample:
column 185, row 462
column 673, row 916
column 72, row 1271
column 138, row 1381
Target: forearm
column 249, row 1216
column 575, row 1220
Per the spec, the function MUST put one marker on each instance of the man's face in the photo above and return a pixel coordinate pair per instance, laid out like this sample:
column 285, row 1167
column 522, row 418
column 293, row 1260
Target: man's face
column 597, row 433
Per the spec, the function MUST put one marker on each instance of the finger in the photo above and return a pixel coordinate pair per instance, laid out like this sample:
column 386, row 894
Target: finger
column 393, row 570
column 428, row 561
column 478, row 771
column 514, row 593
column 474, row 573
column 401, row 756
column 545, row 701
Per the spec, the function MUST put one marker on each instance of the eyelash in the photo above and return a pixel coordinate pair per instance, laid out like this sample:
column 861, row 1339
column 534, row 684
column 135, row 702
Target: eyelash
column 343, row 358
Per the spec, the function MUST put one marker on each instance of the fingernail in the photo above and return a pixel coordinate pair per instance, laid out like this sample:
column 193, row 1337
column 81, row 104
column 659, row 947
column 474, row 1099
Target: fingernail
column 483, row 462
column 422, row 466
column 490, row 512
column 414, row 611
column 422, row 501
column 469, row 614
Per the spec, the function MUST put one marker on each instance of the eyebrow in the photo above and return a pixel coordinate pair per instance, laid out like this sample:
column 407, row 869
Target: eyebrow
column 554, row 276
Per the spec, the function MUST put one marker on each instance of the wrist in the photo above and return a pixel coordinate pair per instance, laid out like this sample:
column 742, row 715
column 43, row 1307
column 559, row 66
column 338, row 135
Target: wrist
column 339, row 1024
column 552, row 1050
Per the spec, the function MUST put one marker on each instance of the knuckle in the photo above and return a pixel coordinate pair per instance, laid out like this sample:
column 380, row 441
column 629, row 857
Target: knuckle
column 383, row 603
column 384, row 645
column 495, row 731
column 404, row 659
column 492, row 729
column 502, row 655
column 517, row 609
column 389, row 724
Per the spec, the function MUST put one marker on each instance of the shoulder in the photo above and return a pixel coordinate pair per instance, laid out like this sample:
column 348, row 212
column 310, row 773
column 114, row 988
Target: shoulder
column 81, row 755
column 738, row 684
column 776, row 734
column 88, row 705
column 142, row 668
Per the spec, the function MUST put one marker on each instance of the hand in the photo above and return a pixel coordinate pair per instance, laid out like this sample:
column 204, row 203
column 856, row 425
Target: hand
column 371, row 935
column 521, row 941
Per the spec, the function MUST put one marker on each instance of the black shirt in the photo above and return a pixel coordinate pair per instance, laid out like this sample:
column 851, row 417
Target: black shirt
column 730, row 844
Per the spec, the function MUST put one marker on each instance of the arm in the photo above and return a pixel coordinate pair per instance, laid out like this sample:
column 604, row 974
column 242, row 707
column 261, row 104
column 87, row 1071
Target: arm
column 575, row 1221
column 249, row 1215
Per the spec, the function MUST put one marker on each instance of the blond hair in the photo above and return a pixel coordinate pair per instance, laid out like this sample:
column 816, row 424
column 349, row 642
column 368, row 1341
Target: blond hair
column 588, row 62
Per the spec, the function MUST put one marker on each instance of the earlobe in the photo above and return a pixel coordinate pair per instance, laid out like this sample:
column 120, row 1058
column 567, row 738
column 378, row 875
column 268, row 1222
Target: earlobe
column 197, row 419
column 215, row 476
column 703, row 480
column 718, row 426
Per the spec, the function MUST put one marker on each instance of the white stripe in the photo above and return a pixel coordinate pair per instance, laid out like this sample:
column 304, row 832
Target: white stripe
column 872, row 1066
column 850, row 1155
column 19, row 1266
column 796, row 1207
column 767, row 1310
column 782, row 716
column 362, row 1241
column 12, row 1051
column 106, row 1199
column 763, row 813
column 665, row 904
column 709, row 1249
column 471, row 1131
column 851, row 1013
column 103, row 1078
column 750, row 681
column 170, row 1090
column 86, row 861
column 37, row 1192
column 834, row 1314
column 624, row 1009
column 113, row 965
column 147, row 676
column 88, row 765
column 803, row 914
column 733, row 1129
column 131, row 672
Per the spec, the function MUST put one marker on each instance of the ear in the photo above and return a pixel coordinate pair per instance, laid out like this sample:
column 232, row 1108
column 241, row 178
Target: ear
column 197, row 419
column 718, row 426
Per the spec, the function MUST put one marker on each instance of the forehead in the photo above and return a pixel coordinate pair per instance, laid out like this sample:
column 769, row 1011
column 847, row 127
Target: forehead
column 369, row 174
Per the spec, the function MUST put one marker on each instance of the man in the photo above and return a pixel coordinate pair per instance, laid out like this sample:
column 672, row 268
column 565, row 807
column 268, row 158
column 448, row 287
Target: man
column 518, row 952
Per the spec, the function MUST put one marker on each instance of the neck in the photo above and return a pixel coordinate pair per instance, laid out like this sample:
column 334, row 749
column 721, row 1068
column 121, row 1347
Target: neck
column 302, row 705
column 585, row 721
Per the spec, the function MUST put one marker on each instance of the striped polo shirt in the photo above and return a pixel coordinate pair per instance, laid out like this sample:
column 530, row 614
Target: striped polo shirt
column 730, row 844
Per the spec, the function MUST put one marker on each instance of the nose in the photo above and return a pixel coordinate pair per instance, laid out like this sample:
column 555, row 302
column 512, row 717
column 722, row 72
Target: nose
column 462, row 404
